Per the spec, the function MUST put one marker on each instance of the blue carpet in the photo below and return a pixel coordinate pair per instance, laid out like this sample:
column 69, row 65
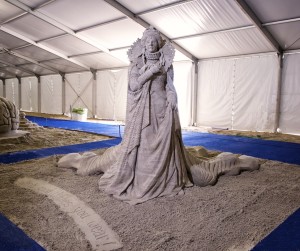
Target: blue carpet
column 265, row 149
column 285, row 237
column 13, row 238
column 109, row 130
column 40, row 153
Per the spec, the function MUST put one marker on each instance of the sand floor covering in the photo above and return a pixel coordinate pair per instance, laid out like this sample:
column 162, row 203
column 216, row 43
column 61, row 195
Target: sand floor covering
column 235, row 214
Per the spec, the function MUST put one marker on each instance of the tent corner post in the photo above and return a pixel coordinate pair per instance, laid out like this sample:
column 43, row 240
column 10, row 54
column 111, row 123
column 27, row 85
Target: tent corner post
column 94, row 97
column 278, row 94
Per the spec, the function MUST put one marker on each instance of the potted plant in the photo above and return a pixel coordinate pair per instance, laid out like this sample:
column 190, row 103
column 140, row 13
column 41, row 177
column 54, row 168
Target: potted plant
column 79, row 114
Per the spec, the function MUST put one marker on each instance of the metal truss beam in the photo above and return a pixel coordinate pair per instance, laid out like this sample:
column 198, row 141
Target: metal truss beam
column 252, row 16
column 143, row 23
column 18, row 68
column 44, row 47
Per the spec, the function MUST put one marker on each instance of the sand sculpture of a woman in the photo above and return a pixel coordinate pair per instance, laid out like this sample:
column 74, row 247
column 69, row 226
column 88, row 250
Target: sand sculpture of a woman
column 151, row 161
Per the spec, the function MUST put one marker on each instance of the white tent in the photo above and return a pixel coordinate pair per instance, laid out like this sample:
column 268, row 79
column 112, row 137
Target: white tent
column 235, row 66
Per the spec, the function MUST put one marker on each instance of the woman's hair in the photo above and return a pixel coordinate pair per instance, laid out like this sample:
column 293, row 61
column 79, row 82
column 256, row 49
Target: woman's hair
column 152, row 32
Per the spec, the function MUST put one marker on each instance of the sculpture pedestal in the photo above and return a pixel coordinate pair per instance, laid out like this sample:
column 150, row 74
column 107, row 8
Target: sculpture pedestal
column 12, row 136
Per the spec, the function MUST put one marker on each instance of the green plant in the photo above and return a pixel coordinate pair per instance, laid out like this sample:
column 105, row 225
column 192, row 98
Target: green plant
column 78, row 111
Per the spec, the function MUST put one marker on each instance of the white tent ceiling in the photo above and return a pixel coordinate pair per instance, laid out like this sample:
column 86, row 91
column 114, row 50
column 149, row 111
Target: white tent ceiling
column 41, row 37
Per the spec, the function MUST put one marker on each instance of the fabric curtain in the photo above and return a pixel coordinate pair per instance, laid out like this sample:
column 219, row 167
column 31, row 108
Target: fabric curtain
column 79, row 91
column 290, row 95
column 29, row 92
column 238, row 93
column 12, row 91
column 112, row 94
column 183, row 81
column 51, row 94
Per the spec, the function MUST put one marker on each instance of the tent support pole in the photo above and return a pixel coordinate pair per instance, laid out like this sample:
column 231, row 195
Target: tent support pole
column 278, row 95
column 94, row 98
column 19, row 93
column 63, row 96
column 4, row 88
column 195, row 94
column 39, row 94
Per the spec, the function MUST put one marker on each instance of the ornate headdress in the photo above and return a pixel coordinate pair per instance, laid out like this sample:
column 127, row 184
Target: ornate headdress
column 166, row 49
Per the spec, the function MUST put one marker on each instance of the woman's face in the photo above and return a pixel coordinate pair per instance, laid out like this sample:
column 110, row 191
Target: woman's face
column 151, row 44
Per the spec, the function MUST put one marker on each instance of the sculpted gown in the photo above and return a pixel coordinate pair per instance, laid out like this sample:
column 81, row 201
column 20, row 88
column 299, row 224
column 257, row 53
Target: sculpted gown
column 151, row 160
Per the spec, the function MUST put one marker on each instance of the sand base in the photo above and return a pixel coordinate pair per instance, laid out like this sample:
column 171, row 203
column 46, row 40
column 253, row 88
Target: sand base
column 235, row 214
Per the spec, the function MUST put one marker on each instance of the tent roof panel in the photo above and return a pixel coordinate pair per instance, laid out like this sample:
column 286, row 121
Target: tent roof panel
column 8, row 41
column 101, row 61
column 115, row 35
column 226, row 44
column 8, row 11
column 138, row 6
column 33, row 3
column 287, row 34
column 64, row 65
column 12, row 59
column 69, row 45
column 34, row 28
column 37, row 69
column 197, row 17
column 93, row 11
column 6, row 74
column 269, row 11
column 16, row 71
column 35, row 53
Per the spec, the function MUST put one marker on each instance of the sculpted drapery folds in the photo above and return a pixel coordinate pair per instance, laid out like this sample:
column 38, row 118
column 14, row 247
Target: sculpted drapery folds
column 151, row 161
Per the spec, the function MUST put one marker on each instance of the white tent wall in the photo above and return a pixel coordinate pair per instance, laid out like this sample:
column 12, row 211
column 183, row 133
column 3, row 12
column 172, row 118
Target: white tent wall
column 290, row 95
column 1, row 89
column 51, row 94
column 121, row 77
column 79, row 90
column 255, row 93
column 238, row 93
column 214, row 93
column 29, row 93
column 183, row 82
column 112, row 94
column 12, row 90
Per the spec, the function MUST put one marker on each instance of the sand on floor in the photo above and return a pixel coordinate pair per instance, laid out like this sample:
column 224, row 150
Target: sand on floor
column 234, row 214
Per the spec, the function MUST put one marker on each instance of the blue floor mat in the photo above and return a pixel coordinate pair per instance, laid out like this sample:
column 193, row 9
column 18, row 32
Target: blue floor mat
column 40, row 153
column 105, row 129
column 265, row 149
column 285, row 237
column 13, row 238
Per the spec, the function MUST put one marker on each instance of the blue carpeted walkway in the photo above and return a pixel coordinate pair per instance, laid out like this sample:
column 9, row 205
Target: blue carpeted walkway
column 40, row 153
column 285, row 237
column 266, row 149
column 13, row 238
column 109, row 130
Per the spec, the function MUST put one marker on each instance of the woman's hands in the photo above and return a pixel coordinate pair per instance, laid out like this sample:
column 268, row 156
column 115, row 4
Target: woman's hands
column 172, row 100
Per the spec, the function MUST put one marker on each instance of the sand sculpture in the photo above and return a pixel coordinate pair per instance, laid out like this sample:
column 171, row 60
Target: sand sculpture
column 151, row 161
column 26, row 124
column 9, row 116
